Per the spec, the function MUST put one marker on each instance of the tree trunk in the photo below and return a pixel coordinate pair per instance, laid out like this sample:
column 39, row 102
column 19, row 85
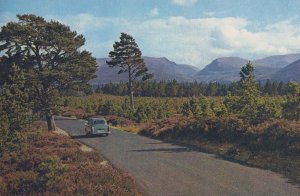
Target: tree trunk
column 131, row 99
column 130, row 92
column 50, row 122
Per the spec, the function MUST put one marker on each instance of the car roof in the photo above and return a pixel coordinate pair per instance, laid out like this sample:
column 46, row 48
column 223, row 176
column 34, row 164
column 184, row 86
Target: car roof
column 97, row 118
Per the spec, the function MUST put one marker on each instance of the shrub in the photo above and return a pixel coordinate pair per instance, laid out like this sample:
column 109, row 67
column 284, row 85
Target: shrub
column 292, row 106
column 50, row 171
column 268, row 109
column 219, row 109
column 280, row 136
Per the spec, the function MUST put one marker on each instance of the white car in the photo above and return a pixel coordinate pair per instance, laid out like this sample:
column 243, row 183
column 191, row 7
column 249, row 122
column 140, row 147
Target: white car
column 97, row 126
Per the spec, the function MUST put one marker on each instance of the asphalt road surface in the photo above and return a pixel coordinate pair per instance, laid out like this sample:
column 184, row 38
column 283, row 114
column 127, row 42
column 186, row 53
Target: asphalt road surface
column 162, row 168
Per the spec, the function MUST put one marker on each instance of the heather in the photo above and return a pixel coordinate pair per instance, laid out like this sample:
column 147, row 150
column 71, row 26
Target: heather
column 52, row 164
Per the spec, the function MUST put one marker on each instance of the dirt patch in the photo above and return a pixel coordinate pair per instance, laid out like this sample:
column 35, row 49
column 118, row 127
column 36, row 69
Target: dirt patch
column 85, row 148
column 60, row 131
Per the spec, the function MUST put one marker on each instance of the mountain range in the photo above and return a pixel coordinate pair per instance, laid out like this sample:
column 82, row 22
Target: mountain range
column 226, row 69
column 162, row 68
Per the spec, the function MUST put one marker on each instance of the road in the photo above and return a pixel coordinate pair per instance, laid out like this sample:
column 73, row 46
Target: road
column 162, row 168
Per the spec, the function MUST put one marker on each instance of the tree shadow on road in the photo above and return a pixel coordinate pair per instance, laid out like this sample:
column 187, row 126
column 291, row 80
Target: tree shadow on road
column 85, row 136
column 168, row 150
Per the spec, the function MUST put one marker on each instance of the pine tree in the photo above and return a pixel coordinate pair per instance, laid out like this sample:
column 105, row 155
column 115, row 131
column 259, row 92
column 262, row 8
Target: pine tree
column 14, row 109
column 128, row 57
column 15, row 99
column 268, row 88
column 195, row 108
column 250, row 94
column 49, row 53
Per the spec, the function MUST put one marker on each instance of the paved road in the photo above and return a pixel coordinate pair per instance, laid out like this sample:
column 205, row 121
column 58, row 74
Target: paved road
column 162, row 168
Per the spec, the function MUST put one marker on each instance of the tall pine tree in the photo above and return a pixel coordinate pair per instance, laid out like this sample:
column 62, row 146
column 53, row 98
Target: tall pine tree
column 49, row 52
column 128, row 57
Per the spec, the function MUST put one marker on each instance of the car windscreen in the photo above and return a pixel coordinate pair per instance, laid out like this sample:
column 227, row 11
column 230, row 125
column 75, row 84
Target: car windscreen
column 97, row 122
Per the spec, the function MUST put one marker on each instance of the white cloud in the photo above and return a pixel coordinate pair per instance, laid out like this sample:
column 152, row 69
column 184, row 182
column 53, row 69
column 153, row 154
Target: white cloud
column 184, row 2
column 87, row 22
column 199, row 41
column 186, row 40
column 195, row 41
column 154, row 12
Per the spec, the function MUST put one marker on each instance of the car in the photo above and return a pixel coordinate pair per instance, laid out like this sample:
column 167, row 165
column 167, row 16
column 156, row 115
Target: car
column 97, row 126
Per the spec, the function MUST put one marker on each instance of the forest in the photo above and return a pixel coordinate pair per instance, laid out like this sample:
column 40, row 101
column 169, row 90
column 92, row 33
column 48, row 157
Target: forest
column 189, row 89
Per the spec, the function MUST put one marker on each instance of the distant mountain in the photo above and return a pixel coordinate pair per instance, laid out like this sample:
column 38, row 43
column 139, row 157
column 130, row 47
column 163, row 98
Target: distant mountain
column 162, row 68
column 221, row 70
column 227, row 69
column 267, row 67
column 278, row 61
column 289, row 73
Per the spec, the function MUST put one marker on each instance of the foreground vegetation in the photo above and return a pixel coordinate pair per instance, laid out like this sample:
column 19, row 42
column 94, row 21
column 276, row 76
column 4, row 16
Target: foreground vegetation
column 51, row 164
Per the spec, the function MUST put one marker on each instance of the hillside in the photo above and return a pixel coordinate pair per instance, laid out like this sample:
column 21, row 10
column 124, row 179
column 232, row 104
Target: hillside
column 277, row 61
column 267, row 67
column 162, row 68
column 289, row 73
column 222, row 70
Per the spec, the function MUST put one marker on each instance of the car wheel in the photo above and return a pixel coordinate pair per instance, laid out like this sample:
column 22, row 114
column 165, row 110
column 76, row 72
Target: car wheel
column 87, row 132
column 106, row 134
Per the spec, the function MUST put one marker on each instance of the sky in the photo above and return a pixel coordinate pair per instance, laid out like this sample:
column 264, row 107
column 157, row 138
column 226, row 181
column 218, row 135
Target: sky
column 191, row 32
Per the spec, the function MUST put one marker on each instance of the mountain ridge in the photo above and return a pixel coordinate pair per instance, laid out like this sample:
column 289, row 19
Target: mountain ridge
column 290, row 72
column 223, row 69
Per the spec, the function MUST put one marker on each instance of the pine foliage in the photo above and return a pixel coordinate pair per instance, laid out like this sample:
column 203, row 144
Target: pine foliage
column 49, row 52
column 128, row 57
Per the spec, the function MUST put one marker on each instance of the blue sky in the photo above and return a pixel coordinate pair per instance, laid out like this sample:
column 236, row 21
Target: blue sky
column 185, row 31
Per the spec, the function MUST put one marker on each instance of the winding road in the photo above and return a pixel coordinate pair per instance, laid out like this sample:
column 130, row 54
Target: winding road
column 162, row 168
